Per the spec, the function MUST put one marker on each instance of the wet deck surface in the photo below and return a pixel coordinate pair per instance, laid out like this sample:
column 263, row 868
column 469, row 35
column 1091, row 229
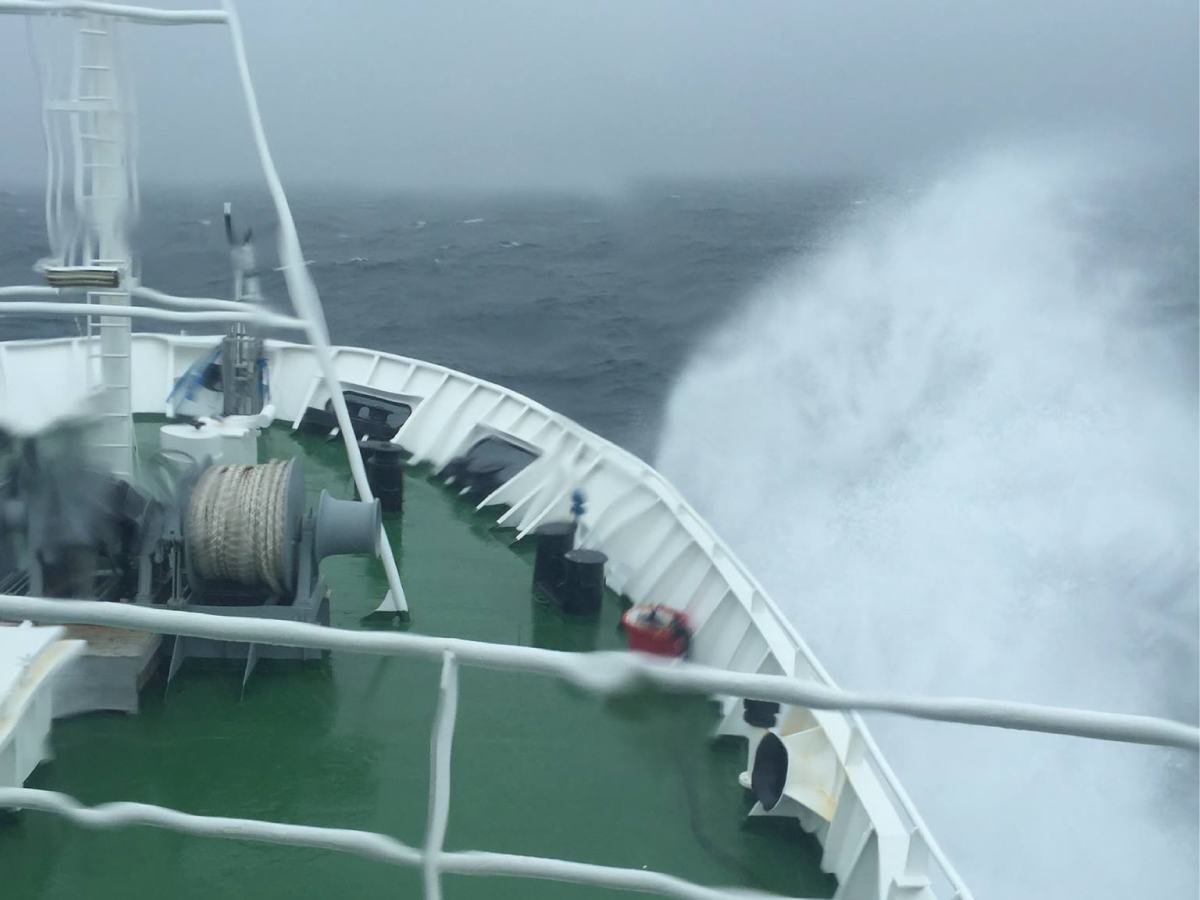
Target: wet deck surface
column 538, row 768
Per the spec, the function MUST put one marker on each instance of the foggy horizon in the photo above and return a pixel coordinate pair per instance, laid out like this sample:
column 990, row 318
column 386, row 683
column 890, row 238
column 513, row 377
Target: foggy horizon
column 598, row 97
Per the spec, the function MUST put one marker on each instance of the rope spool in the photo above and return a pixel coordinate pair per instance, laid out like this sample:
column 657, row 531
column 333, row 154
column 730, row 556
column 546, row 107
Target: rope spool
column 239, row 524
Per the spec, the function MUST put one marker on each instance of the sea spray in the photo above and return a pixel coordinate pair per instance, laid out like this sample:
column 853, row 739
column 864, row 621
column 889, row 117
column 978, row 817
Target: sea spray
column 961, row 455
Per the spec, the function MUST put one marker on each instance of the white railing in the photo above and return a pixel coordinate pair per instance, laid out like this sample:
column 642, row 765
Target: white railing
column 604, row 673
column 250, row 317
column 140, row 14
column 201, row 303
column 608, row 672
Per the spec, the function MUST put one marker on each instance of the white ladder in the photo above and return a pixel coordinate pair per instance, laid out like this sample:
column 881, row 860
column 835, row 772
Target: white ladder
column 109, row 371
column 103, row 180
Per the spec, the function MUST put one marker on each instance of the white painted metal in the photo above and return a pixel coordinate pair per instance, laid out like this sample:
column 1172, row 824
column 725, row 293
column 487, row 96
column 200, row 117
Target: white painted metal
column 226, row 443
column 140, row 14
column 200, row 302
column 138, row 290
column 441, row 743
column 125, row 313
column 30, row 658
column 106, row 176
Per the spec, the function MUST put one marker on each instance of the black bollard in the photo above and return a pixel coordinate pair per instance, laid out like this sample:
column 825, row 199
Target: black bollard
column 759, row 713
column 555, row 539
column 385, row 473
column 583, row 586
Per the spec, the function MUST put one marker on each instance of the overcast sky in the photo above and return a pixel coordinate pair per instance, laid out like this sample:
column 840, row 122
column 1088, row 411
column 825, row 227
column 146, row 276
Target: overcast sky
column 598, row 92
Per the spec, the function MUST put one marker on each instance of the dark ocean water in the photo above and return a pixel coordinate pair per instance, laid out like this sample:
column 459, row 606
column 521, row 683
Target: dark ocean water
column 588, row 305
column 598, row 307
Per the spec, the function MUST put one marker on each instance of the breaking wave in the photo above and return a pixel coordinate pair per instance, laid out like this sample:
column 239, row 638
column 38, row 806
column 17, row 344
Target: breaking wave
column 959, row 448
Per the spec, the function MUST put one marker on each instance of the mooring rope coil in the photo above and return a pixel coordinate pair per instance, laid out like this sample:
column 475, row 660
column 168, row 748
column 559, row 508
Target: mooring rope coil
column 237, row 525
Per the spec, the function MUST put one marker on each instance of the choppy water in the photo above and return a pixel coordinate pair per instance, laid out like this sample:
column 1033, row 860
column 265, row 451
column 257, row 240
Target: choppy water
column 952, row 428
column 589, row 305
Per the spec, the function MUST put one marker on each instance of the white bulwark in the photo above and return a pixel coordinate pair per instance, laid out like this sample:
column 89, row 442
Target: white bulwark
column 30, row 660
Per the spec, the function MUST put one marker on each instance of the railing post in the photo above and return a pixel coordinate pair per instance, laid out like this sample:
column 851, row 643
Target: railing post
column 440, row 744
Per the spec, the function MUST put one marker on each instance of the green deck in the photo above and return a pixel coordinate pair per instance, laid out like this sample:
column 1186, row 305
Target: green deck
column 538, row 769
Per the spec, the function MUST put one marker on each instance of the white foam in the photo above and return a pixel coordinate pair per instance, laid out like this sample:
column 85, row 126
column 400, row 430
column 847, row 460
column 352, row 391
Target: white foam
column 959, row 457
